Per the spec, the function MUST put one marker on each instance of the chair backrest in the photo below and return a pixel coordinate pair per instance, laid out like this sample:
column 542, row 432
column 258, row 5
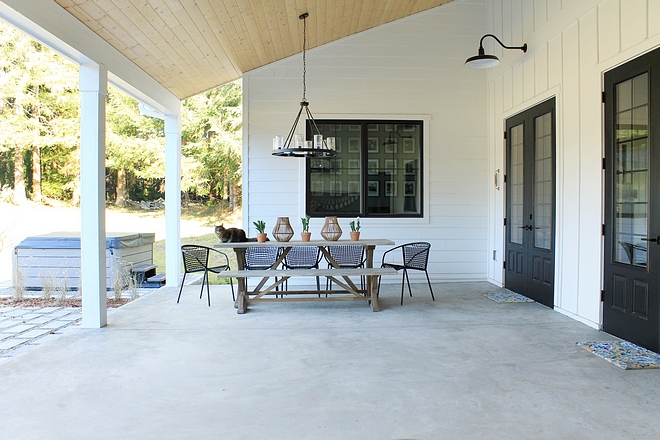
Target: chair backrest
column 302, row 257
column 416, row 255
column 260, row 257
column 195, row 258
column 347, row 256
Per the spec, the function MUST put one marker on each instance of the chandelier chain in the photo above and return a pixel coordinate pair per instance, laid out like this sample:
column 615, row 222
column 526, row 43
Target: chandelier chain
column 304, row 60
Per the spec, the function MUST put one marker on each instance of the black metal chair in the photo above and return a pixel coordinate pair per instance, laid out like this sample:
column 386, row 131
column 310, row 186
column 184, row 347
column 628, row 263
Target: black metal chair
column 415, row 256
column 346, row 257
column 303, row 257
column 198, row 258
column 257, row 258
column 261, row 258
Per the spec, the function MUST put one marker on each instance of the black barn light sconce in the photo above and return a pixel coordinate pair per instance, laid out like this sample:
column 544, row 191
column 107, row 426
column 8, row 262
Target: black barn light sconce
column 483, row 61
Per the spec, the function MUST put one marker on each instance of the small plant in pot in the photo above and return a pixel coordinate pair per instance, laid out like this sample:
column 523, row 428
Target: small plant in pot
column 261, row 230
column 355, row 229
column 305, row 234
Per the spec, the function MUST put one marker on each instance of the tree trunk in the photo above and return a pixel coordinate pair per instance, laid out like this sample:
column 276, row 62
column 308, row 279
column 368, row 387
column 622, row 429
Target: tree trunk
column 19, row 177
column 232, row 196
column 122, row 194
column 36, row 175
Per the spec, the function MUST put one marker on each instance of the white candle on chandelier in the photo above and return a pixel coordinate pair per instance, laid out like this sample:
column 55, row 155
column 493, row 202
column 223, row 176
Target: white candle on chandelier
column 298, row 140
column 330, row 142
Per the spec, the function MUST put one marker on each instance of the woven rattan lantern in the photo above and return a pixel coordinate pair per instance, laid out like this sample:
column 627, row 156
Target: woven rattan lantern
column 282, row 230
column 331, row 230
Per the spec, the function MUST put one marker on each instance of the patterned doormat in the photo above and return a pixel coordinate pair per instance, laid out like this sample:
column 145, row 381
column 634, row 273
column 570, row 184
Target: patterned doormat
column 623, row 354
column 507, row 296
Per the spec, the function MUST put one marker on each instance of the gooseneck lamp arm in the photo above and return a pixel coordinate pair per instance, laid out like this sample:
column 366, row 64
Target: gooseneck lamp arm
column 481, row 44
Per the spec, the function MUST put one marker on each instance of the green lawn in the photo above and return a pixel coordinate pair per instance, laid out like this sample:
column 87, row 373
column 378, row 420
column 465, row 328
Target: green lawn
column 204, row 240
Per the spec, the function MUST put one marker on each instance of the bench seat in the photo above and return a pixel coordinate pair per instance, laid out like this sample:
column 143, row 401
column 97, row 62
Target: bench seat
column 337, row 272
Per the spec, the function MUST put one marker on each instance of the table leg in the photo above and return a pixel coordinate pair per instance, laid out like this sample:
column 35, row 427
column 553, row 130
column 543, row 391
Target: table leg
column 372, row 281
column 372, row 292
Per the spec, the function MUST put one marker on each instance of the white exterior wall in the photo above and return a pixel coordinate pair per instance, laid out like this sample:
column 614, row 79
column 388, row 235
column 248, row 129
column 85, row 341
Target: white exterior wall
column 410, row 69
column 571, row 45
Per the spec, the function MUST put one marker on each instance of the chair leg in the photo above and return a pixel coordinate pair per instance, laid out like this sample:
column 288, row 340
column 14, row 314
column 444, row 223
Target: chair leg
column 231, row 281
column 408, row 281
column 201, row 292
column 208, row 290
column 181, row 288
column 430, row 288
column 403, row 283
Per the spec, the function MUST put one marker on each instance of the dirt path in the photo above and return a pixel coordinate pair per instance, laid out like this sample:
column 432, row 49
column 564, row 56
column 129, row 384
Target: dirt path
column 19, row 222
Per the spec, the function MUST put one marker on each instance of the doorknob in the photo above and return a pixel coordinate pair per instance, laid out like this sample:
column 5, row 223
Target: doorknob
column 652, row 240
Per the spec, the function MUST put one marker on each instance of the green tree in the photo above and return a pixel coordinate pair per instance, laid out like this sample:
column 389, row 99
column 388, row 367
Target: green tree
column 211, row 142
column 135, row 144
column 39, row 104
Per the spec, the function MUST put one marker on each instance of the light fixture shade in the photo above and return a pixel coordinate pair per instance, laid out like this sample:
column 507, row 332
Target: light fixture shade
column 482, row 62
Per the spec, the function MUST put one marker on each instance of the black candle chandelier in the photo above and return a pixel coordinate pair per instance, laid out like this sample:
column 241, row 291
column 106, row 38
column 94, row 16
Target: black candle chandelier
column 295, row 144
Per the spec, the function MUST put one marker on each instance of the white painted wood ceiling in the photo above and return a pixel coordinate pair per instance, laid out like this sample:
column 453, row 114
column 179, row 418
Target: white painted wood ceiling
column 190, row 46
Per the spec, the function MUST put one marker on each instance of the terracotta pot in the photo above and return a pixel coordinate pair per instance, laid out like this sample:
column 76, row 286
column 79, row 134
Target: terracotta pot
column 331, row 230
column 355, row 235
column 261, row 238
column 282, row 230
column 306, row 236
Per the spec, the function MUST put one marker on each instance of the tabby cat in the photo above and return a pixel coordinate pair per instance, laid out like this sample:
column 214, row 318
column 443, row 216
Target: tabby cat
column 231, row 235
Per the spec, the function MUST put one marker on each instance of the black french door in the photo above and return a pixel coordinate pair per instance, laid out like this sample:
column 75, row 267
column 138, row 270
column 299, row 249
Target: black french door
column 631, row 299
column 530, row 203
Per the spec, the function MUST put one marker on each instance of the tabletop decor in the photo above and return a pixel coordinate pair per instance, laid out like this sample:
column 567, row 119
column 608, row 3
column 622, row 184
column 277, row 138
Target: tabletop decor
column 305, row 234
column 355, row 229
column 331, row 230
column 261, row 230
column 282, row 230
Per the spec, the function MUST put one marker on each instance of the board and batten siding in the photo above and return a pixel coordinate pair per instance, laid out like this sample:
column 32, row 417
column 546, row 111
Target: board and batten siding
column 408, row 69
column 571, row 45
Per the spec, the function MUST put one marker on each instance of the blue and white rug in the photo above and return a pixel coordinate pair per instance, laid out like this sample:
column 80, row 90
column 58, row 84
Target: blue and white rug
column 507, row 296
column 623, row 354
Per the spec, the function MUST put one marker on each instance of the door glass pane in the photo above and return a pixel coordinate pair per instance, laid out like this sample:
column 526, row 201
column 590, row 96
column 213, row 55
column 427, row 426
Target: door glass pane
column 516, row 174
column 631, row 177
column 543, row 182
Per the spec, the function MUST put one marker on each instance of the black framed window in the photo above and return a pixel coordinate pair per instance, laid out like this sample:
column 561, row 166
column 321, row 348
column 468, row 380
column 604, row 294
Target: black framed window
column 377, row 171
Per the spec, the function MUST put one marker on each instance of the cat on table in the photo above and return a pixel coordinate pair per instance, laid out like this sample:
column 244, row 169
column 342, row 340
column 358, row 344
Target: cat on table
column 231, row 235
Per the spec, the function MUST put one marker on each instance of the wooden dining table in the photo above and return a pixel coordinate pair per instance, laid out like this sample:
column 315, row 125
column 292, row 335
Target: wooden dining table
column 272, row 279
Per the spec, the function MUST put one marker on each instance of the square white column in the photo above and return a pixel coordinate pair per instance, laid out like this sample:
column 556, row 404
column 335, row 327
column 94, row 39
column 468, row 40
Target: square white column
column 93, row 91
column 172, row 199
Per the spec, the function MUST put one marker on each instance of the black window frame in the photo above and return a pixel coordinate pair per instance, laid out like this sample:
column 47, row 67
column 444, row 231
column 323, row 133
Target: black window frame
column 363, row 208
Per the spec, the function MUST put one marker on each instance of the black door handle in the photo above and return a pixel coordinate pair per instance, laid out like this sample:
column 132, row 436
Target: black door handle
column 652, row 240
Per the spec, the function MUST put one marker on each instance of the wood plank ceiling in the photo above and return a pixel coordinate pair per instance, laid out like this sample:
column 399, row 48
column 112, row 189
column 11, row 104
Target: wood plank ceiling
column 190, row 46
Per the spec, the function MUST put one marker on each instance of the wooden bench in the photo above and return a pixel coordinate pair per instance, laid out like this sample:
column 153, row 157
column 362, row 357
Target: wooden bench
column 339, row 276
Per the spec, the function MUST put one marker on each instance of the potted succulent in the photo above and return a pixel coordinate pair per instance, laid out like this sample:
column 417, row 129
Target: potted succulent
column 305, row 234
column 355, row 229
column 261, row 230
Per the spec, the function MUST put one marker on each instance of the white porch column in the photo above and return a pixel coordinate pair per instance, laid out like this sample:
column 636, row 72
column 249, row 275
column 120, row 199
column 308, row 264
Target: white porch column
column 93, row 90
column 172, row 200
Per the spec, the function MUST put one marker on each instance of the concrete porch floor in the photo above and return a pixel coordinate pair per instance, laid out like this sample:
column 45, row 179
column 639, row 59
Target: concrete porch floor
column 460, row 367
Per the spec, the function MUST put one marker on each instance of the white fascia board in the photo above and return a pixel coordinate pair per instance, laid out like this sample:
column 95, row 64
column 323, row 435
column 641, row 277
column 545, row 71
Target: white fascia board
column 52, row 25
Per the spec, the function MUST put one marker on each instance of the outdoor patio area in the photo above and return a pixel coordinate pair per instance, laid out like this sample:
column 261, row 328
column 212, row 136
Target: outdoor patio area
column 460, row 367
